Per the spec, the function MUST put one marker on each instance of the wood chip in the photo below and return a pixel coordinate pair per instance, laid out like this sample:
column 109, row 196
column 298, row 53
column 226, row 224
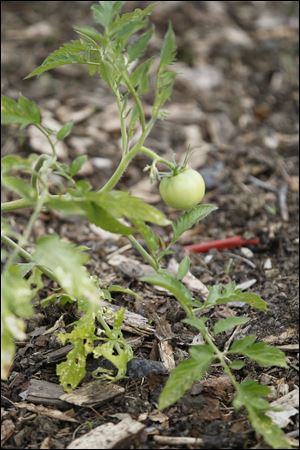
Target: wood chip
column 110, row 436
column 7, row 430
column 42, row 410
column 167, row 355
column 133, row 322
column 46, row 393
column 288, row 405
column 95, row 393
column 178, row 441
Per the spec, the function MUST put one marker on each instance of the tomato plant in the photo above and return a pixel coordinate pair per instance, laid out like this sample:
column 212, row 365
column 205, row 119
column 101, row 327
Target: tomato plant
column 183, row 190
column 109, row 53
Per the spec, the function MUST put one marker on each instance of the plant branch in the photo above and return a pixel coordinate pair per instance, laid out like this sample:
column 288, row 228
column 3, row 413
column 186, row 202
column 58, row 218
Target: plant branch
column 26, row 255
column 150, row 260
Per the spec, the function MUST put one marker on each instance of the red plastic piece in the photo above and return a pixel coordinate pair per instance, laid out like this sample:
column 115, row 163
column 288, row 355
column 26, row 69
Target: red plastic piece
column 221, row 244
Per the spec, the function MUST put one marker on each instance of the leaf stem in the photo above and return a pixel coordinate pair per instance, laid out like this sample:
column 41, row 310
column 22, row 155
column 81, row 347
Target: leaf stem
column 150, row 260
column 26, row 255
column 151, row 154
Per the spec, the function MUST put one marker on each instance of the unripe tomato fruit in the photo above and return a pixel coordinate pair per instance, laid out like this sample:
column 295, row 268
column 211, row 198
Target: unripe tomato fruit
column 182, row 191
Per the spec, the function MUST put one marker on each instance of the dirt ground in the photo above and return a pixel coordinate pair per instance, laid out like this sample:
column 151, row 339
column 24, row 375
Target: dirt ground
column 236, row 101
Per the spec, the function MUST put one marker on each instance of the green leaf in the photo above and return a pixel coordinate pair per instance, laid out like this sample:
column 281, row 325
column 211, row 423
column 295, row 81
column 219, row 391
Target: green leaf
column 184, row 375
column 66, row 261
column 23, row 112
column 249, row 395
column 16, row 296
column 190, row 218
column 73, row 52
column 241, row 345
column 103, row 219
column 65, row 131
column 265, row 355
column 18, row 185
column 197, row 322
column 73, row 370
column 227, row 324
column 237, row 365
column 219, row 295
column 121, row 289
column 105, row 12
column 122, row 204
column 77, row 164
column 12, row 163
column 175, row 287
column 139, row 77
column 183, row 268
column 148, row 234
column 137, row 49
column 168, row 51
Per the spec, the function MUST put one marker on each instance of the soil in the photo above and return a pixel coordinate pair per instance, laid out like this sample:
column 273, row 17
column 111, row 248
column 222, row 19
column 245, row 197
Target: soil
column 236, row 102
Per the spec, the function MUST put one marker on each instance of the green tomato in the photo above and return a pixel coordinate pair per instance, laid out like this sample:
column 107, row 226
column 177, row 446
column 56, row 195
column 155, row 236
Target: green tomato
column 182, row 191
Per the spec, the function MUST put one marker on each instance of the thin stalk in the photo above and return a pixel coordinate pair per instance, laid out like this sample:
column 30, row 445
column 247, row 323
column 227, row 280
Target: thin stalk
column 17, row 204
column 151, row 154
column 42, row 130
column 23, row 239
column 221, row 358
column 26, row 256
column 123, row 125
column 136, row 99
column 150, row 260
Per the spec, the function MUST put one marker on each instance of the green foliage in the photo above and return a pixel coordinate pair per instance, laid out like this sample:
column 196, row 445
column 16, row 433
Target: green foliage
column 219, row 295
column 23, row 112
column 74, row 52
column 265, row 355
column 65, row 261
column 105, row 12
column 16, row 296
column 65, row 131
column 189, row 219
column 73, row 370
column 227, row 324
column 183, row 268
column 180, row 292
column 185, row 374
column 250, row 395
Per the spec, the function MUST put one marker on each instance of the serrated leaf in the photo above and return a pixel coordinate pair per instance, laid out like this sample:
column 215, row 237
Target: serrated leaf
column 219, row 295
column 77, row 164
column 22, row 112
column 73, row 52
column 16, row 296
column 265, row 355
column 241, row 344
column 197, row 322
column 236, row 365
column 66, row 261
column 122, row 204
column 229, row 323
column 190, row 218
column 148, row 235
column 250, row 395
column 183, row 268
column 168, row 51
column 175, row 287
column 139, row 77
column 72, row 371
column 103, row 219
column 65, row 131
column 138, row 48
column 11, row 163
column 18, row 185
column 183, row 376
column 105, row 12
